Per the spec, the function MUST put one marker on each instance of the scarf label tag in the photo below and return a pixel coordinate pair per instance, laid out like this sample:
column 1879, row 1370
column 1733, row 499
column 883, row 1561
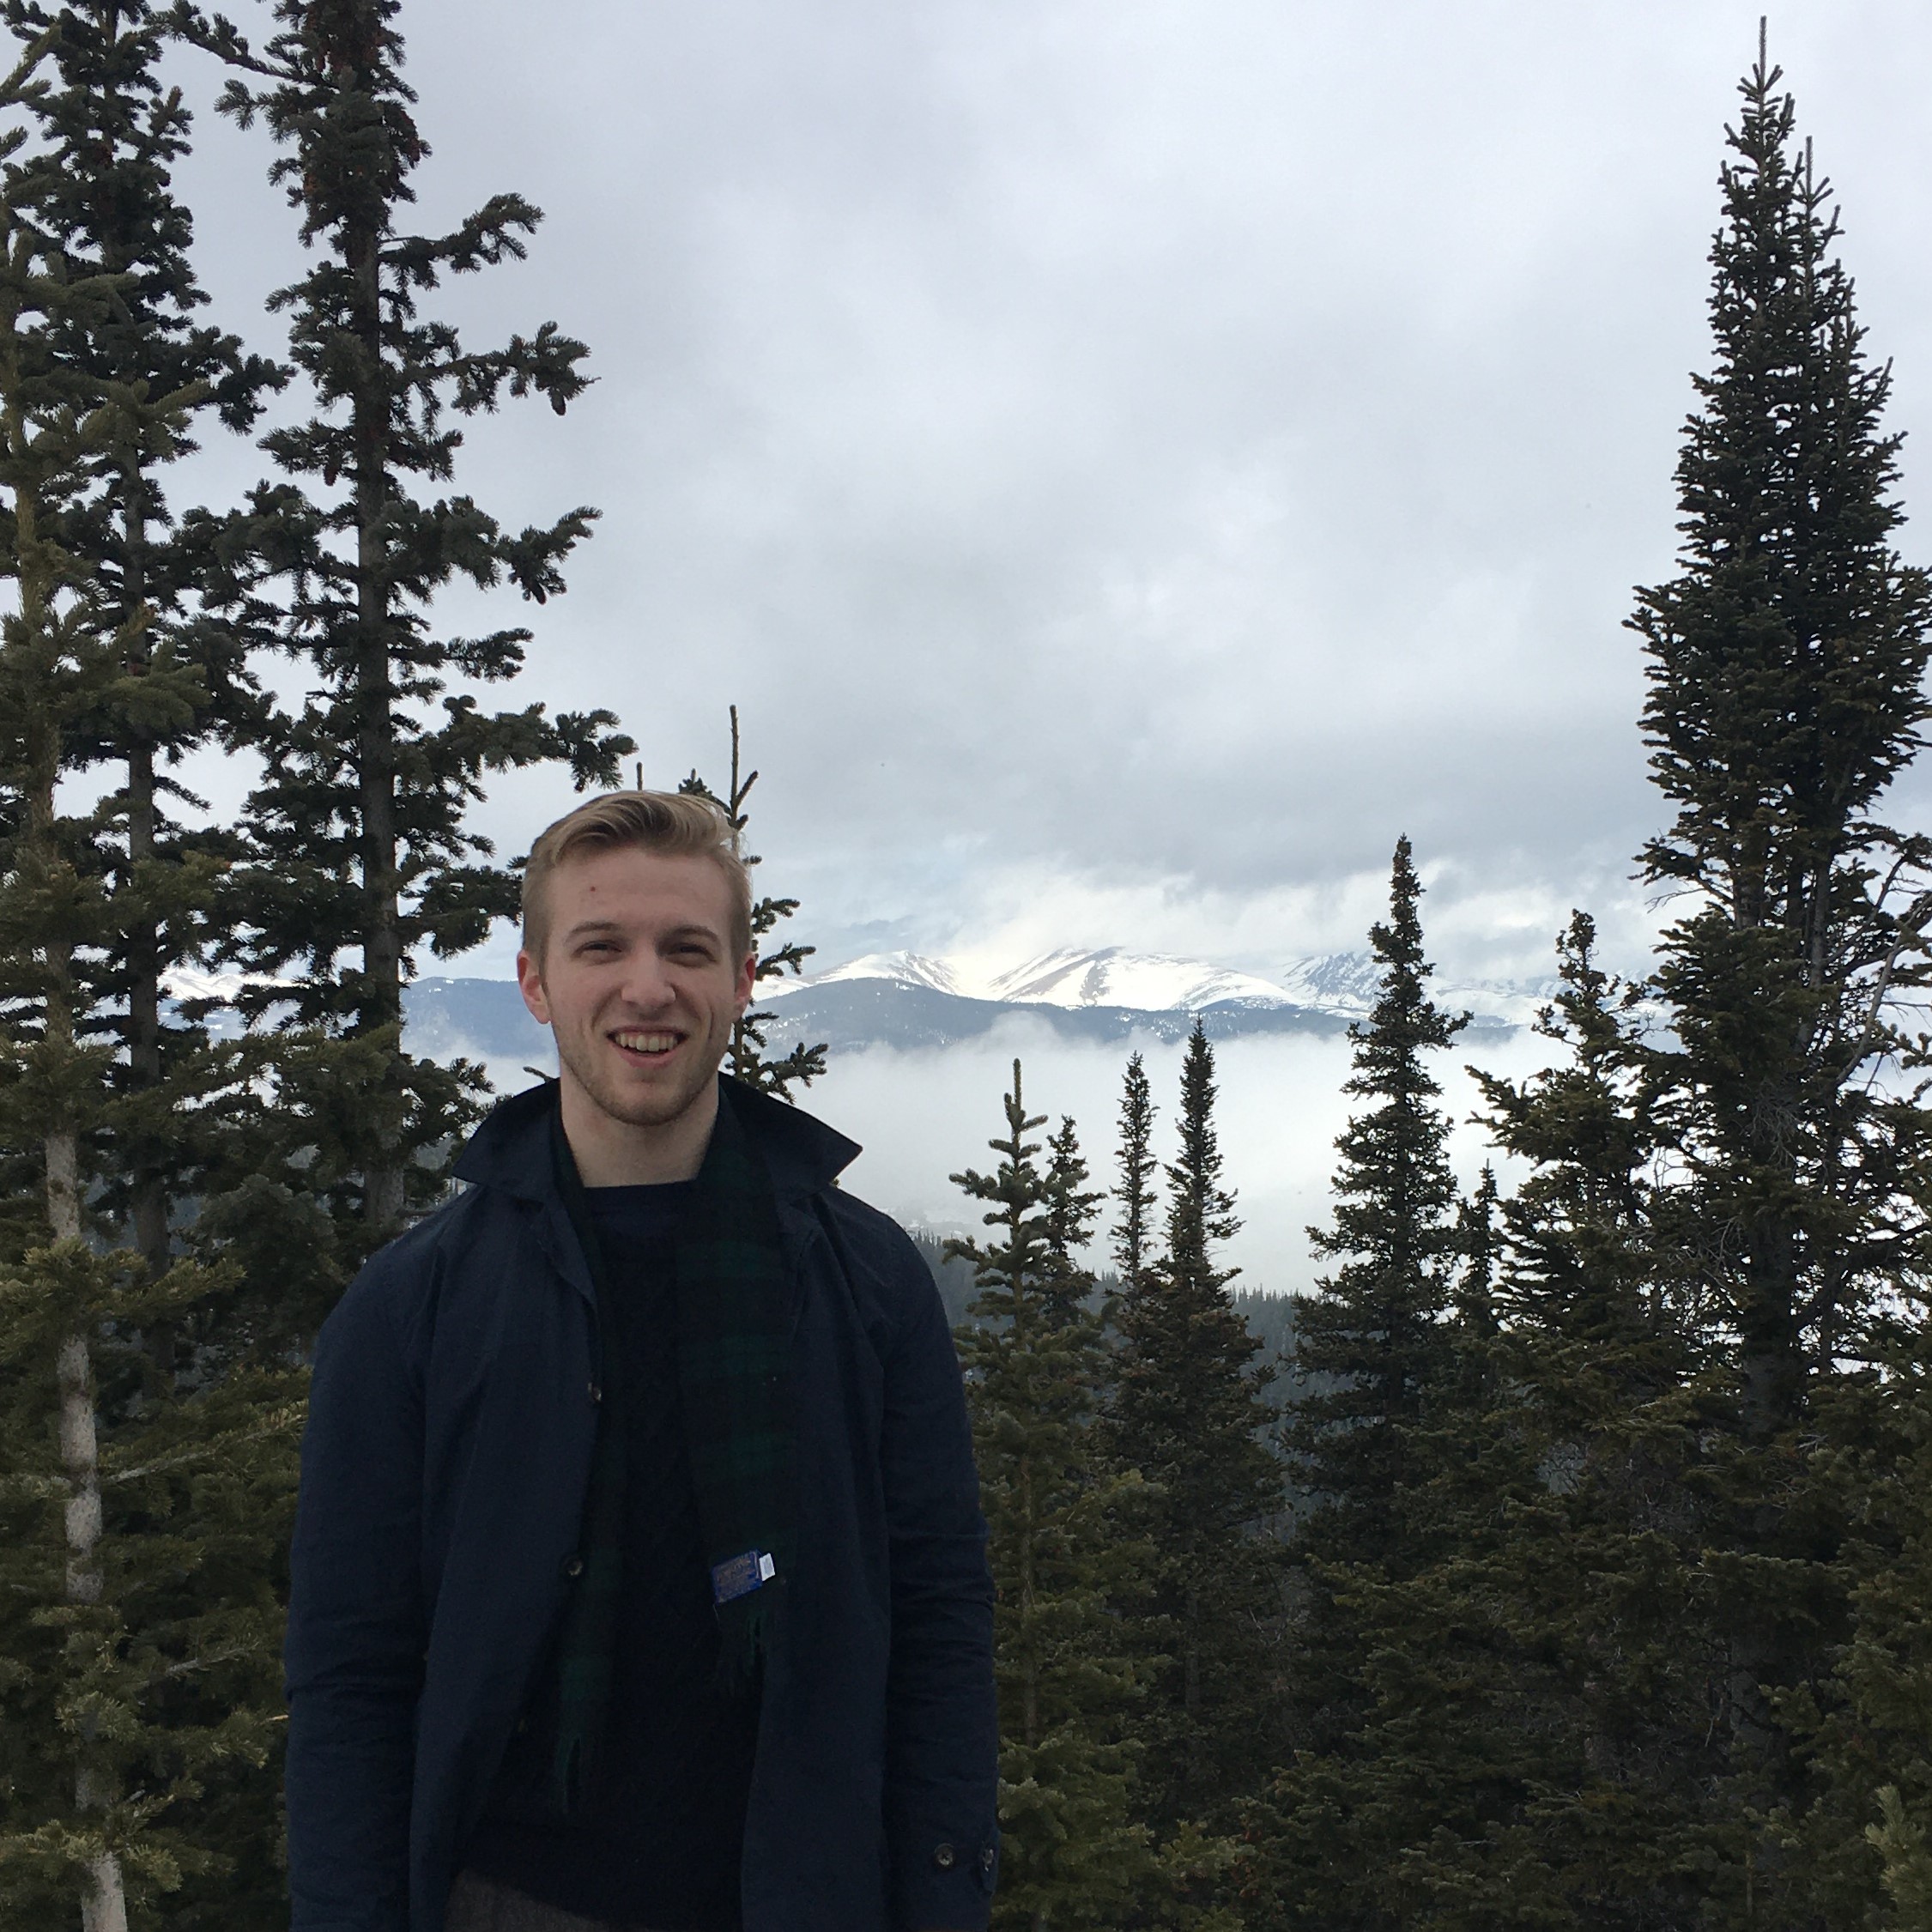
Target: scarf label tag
column 738, row 1575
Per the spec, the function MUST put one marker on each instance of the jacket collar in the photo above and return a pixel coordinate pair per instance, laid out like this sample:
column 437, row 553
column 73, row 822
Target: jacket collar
column 511, row 1149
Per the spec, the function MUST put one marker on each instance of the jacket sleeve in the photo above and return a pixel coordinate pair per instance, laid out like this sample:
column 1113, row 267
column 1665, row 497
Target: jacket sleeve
column 356, row 1625
column 943, row 1722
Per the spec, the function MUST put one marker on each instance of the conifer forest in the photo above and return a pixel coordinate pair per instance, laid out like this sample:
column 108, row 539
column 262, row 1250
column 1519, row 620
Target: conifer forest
column 1569, row 1567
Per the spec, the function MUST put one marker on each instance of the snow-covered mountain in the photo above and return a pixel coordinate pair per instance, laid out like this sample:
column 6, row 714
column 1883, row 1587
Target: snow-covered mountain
column 1103, row 994
column 914, row 999
column 1341, row 985
column 1147, row 982
column 906, row 969
column 1347, row 982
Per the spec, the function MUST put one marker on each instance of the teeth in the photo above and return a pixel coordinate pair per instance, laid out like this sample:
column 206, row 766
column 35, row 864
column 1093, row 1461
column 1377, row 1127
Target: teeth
column 647, row 1043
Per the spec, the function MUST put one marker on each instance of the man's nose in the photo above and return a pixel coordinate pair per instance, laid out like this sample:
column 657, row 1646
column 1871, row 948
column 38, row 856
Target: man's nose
column 646, row 983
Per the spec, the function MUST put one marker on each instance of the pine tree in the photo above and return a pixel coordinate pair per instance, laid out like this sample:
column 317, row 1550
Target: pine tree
column 1375, row 1326
column 1073, row 1853
column 138, row 1626
column 1786, row 692
column 1072, row 1210
column 50, row 658
column 1600, row 1570
column 1786, row 665
column 358, row 840
column 1133, row 1192
column 747, row 1058
column 1186, row 1411
column 1478, row 1236
column 101, row 189
column 1405, row 1787
column 196, row 1550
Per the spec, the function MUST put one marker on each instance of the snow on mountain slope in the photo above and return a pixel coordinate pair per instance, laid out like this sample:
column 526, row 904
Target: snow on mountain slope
column 904, row 969
column 1341, row 985
column 1347, row 982
column 1147, row 982
column 1336, row 982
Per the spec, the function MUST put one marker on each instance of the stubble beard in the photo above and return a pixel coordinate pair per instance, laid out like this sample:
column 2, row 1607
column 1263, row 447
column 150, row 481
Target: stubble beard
column 603, row 1084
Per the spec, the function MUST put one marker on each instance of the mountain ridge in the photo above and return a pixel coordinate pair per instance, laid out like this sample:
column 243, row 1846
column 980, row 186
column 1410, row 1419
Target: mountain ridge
column 1343, row 986
column 913, row 1002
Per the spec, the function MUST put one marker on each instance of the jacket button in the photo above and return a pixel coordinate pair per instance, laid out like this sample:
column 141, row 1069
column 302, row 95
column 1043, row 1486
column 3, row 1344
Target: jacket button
column 597, row 1394
column 944, row 1856
column 574, row 1567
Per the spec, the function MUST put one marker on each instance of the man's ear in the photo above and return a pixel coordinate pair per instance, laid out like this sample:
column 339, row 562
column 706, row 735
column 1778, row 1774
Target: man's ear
column 530, row 984
column 747, row 977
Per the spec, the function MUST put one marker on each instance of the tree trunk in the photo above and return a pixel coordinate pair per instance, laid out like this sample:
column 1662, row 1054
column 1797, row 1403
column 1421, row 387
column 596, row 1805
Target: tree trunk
column 382, row 941
column 104, row 1905
column 103, row 1902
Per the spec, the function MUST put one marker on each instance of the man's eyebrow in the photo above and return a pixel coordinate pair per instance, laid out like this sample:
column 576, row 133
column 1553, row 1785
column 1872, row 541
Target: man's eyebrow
column 694, row 929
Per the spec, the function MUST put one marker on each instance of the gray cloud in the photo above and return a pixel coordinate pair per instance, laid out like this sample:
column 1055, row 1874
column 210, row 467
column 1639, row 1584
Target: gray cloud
column 1128, row 461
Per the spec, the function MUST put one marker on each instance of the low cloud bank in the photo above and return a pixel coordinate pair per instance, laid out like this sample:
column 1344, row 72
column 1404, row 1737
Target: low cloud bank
column 922, row 1116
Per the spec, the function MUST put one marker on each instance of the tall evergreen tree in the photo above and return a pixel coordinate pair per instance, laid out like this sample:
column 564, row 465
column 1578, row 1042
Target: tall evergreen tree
column 137, row 1617
column 1786, row 672
column 51, row 659
column 100, row 185
column 360, row 855
column 1375, row 1329
column 1186, row 1411
column 1787, row 663
column 1074, row 1854
column 1133, row 1192
column 1403, row 1688
column 198, row 1550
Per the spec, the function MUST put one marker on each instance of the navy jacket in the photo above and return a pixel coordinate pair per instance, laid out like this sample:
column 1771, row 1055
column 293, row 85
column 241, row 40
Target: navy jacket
column 444, row 1473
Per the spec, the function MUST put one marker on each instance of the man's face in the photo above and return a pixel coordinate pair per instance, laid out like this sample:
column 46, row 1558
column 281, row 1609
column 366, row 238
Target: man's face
column 639, row 981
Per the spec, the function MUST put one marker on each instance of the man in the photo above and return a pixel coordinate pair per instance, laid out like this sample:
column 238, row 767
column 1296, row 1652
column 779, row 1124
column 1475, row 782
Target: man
column 639, row 1576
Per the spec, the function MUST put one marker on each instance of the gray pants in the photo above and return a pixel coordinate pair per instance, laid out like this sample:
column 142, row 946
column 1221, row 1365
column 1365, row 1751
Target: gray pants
column 478, row 1904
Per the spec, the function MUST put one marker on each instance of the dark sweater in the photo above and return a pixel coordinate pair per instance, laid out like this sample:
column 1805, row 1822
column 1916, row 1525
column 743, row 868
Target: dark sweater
column 660, row 1840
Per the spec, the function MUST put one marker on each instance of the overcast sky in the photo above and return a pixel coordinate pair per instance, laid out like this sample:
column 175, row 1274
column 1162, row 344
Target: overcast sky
column 1127, row 461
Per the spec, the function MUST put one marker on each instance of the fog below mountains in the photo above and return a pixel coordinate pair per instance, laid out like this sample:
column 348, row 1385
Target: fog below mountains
column 922, row 1116
column 926, row 1114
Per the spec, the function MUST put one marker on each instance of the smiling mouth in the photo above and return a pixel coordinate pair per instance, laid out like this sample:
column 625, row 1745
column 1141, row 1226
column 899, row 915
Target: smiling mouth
column 638, row 1042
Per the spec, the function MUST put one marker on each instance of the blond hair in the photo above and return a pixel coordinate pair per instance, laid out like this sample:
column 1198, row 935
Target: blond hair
column 672, row 824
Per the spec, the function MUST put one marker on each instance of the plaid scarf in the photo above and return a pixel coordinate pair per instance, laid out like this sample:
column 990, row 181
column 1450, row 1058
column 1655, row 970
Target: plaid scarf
column 732, row 1350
